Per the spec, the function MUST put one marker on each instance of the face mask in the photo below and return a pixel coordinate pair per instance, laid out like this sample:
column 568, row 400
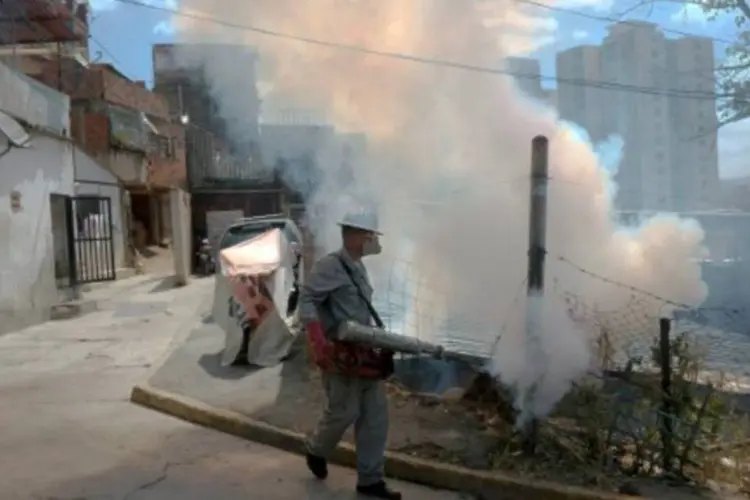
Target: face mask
column 371, row 246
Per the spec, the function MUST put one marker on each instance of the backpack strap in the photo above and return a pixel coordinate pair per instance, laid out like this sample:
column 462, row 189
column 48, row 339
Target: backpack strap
column 375, row 316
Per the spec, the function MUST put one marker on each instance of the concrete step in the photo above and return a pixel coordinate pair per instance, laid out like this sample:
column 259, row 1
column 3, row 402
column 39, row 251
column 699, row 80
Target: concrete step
column 72, row 309
column 122, row 273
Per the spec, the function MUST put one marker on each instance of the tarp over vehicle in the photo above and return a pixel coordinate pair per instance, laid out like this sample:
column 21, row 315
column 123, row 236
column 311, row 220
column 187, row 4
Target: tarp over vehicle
column 253, row 286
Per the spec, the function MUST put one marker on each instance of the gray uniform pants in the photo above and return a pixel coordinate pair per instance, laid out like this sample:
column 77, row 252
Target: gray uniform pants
column 360, row 402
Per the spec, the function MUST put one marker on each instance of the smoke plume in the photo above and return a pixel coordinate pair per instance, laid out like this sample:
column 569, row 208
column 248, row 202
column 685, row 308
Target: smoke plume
column 447, row 166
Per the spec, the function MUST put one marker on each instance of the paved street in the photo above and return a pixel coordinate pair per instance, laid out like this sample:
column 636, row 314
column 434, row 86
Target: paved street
column 68, row 431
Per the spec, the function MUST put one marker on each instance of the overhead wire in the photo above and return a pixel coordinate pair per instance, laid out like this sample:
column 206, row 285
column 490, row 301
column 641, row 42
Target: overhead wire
column 604, row 85
column 46, row 37
column 105, row 50
column 103, row 47
column 610, row 19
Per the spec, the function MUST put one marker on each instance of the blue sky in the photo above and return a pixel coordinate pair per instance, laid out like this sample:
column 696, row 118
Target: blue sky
column 124, row 33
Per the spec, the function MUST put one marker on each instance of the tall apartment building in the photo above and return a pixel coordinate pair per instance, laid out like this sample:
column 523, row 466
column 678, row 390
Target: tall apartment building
column 528, row 75
column 662, row 168
column 576, row 102
column 634, row 55
column 551, row 97
column 695, row 156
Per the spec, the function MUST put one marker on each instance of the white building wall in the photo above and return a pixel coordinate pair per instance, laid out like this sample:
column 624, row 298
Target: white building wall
column 28, row 286
column 129, row 166
column 93, row 179
column 580, row 104
column 694, row 121
column 634, row 54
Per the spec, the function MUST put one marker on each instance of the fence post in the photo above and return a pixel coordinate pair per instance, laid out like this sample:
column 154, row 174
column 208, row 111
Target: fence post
column 665, row 362
column 535, row 271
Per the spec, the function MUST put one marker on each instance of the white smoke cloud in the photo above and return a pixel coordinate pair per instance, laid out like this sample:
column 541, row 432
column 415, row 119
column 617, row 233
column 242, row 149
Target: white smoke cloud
column 461, row 141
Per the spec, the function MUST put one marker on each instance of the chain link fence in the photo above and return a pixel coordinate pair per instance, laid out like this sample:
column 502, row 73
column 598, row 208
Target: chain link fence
column 668, row 396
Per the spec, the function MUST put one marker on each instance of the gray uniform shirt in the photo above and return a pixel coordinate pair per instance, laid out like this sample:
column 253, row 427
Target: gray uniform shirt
column 329, row 280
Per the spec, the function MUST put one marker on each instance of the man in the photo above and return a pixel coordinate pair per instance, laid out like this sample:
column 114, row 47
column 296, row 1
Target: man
column 337, row 290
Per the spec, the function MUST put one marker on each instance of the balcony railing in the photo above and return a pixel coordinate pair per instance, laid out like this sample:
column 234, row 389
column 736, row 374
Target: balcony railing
column 209, row 166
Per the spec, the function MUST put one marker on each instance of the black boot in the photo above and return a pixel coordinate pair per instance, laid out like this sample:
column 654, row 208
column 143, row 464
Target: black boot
column 317, row 465
column 379, row 490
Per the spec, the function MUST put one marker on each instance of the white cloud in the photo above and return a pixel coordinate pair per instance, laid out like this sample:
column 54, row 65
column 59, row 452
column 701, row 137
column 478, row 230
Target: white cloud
column 165, row 28
column 690, row 13
column 521, row 31
column 580, row 34
column 734, row 150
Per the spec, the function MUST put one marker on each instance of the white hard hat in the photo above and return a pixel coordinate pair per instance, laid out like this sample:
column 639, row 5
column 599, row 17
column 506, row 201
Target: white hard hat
column 364, row 219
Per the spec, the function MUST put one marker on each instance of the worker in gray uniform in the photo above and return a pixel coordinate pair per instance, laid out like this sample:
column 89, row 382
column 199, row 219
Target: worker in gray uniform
column 338, row 289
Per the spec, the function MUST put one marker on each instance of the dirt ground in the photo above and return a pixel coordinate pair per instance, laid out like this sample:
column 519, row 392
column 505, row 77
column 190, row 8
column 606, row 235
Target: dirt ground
column 448, row 429
column 417, row 425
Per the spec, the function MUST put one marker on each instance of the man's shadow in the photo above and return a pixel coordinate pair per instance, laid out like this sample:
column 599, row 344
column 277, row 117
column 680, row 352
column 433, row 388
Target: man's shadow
column 212, row 365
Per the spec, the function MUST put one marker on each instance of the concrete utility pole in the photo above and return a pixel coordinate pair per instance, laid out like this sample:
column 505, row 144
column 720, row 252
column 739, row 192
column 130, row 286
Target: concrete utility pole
column 535, row 276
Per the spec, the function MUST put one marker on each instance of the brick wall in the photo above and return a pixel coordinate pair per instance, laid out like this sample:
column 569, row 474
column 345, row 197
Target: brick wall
column 99, row 81
column 120, row 91
column 70, row 78
column 91, row 131
column 172, row 171
column 44, row 21
column 95, row 137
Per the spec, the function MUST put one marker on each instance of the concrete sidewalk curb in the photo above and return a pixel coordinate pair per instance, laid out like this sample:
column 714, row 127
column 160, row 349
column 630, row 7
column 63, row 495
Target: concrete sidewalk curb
column 399, row 465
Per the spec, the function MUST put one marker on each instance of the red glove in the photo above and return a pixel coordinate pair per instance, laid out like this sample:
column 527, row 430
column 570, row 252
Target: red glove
column 320, row 349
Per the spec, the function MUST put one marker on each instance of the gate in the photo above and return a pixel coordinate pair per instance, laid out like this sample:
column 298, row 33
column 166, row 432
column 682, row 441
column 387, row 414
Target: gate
column 91, row 250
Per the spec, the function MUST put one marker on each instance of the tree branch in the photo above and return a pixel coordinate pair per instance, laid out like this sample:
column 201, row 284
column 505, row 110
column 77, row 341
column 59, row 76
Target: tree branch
column 737, row 117
column 734, row 67
column 744, row 8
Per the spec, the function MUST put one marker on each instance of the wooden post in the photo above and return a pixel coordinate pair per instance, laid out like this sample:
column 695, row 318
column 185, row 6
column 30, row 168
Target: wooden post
column 535, row 276
column 665, row 362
